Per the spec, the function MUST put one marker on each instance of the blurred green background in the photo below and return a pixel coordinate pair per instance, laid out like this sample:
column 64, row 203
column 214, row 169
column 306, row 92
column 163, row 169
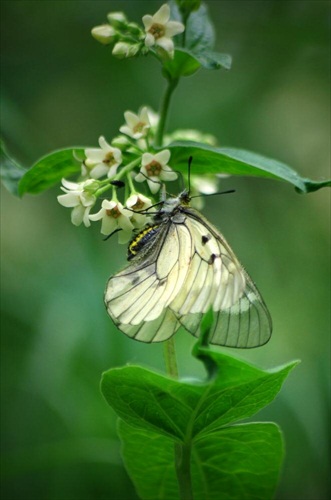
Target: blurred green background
column 61, row 88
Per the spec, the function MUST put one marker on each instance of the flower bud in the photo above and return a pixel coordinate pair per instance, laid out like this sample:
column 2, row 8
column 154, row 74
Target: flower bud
column 134, row 49
column 121, row 50
column 104, row 34
column 121, row 142
column 117, row 19
column 134, row 29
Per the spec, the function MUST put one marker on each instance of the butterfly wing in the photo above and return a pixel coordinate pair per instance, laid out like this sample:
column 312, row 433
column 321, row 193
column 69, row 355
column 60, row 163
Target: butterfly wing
column 137, row 298
column 183, row 270
column 217, row 281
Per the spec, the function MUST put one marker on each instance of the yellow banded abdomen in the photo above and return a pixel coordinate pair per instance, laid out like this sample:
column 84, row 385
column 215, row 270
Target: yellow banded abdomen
column 140, row 240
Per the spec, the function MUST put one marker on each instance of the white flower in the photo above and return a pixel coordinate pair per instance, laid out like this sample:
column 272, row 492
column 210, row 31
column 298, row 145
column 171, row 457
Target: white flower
column 138, row 202
column 104, row 161
column 104, row 34
column 159, row 29
column 78, row 198
column 136, row 125
column 114, row 216
column 154, row 169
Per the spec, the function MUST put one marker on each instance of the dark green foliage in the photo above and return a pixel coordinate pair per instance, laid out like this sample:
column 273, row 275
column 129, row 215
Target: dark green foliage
column 158, row 414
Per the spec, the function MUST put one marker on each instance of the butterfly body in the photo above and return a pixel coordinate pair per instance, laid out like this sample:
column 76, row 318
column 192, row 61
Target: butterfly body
column 180, row 267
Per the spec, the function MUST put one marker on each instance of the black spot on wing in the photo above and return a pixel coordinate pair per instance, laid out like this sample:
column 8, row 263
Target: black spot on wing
column 212, row 258
column 205, row 238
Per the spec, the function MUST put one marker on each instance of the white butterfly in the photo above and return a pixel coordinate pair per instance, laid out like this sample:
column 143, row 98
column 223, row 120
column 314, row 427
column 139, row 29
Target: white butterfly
column 180, row 267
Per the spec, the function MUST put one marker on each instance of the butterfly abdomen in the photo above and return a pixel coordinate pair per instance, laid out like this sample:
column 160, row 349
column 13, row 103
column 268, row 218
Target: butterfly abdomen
column 140, row 240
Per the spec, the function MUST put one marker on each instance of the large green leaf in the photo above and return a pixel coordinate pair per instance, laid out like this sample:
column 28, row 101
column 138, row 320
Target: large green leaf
column 162, row 418
column 49, row 170
column 209, row 159
column 154, row 402
column 10, row 171
column 237, row 462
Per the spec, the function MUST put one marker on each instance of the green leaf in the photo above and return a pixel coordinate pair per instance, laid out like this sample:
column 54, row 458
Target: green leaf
column 183, row 64
column 154, row 402
column 188, row 6
column 198, row 48
column 49, row 170
column 200, row 33
column 212, row 160
column 10, row 171
column 186, row 62
column 166, row 424
column 214, row 60
column 238, row 462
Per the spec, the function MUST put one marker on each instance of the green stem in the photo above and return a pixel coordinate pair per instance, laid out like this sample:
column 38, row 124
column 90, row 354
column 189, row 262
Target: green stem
column 170, row 357
column 182, row 451
column 183, row 470
column 117, row 177
column 172, row 84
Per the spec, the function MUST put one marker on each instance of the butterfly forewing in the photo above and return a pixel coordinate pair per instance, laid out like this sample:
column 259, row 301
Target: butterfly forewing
column 184, row 269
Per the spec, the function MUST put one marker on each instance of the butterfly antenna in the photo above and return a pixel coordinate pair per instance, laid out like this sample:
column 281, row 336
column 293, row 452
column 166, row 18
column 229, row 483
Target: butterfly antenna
column 111, row 234
column 189, row 173
column 214, row 194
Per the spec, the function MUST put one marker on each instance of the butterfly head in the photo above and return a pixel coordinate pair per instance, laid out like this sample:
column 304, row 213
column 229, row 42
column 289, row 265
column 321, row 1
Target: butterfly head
column 171, row 204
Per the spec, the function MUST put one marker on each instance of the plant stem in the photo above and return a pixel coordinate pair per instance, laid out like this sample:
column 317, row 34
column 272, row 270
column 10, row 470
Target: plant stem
column 170, row 357
column 172, row 84
column 182, row 451
column 183, row 470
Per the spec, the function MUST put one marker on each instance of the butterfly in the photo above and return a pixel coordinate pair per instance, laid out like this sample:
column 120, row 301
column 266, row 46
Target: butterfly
column 180, row 267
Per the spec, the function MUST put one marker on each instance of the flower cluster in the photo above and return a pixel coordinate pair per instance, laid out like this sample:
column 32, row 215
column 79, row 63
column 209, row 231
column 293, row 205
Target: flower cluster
column 128, row 157
column 130, row 39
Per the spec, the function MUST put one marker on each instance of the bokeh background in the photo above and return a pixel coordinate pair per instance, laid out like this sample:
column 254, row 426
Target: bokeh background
column 61, row 88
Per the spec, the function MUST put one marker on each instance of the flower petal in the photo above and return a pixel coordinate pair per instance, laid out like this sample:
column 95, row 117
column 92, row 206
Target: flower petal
column 168, row 175
column 131, row 119
column 163, row 156
column 162, row 15
column 147, row 158
column 68, row 200
column 149, row 40
column 174, row 28
column 148, row 21
column 139, row 178
column 104, row 144
column 166, row 43
column 108, row 224
column 124, row 222
column 98, row 215
column 112, row 171
column 99, row 171
column 94, row 156
column 77, row 215
column 154, row 184
column 124, row 129
column 72, row 186
column 108, row 204
column 86, row 219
